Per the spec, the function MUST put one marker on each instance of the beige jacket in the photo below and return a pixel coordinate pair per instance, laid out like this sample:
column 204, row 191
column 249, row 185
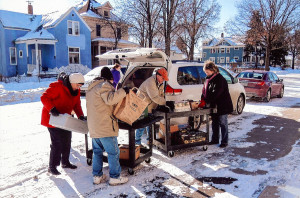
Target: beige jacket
column 101, row 99
column 154, row 93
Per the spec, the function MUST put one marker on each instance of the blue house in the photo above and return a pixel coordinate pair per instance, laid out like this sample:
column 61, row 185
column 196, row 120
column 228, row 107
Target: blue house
column 30, row 44
column 224, row 50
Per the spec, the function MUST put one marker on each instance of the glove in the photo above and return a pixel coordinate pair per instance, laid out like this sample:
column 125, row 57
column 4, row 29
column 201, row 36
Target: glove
column 82, row 118
column 202, row 104
column 54, row 111
column 170, row 104
column 162, row 108
column 126, row 89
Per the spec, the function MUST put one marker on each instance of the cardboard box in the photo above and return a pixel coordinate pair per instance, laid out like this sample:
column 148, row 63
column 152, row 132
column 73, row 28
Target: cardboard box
column 67, row 122
column 173, row 128
column 124, row 151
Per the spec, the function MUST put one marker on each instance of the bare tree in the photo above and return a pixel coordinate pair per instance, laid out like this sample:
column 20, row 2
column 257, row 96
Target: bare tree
column 277, row 17
column 196, row 18
column 168, row 23
column 294, row 45
column 143, row 15
column 118, row 28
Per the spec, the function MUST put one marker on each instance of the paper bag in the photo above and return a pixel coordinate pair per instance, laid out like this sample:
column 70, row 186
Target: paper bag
column 131, row 107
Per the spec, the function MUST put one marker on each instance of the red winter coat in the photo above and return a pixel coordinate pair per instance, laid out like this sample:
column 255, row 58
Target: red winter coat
column 58, row 95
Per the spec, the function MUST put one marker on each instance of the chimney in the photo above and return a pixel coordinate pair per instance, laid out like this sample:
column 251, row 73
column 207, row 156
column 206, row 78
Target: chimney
column 222, row 35
column 30, row 8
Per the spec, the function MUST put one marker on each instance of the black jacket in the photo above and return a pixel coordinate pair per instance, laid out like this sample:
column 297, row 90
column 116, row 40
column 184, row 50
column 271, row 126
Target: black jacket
column 217, row 94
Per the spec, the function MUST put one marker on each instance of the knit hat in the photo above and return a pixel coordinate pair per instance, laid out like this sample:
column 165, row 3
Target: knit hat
column 76, row 78
column 106, row 73
column 163, row 72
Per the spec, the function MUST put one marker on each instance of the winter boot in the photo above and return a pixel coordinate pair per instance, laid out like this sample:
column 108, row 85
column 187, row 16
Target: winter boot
column 69, row 165
column 99, row 179
column 118, row 181
column 53, row 171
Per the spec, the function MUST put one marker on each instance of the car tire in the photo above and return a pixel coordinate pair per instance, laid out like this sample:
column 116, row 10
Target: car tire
column 268, row 96
column 281, row 93
column 240, row 104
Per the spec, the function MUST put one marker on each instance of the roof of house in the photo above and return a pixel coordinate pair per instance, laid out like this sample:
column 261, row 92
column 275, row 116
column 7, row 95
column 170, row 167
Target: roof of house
column 39, row 33
column 232, row 41
column 18, row 20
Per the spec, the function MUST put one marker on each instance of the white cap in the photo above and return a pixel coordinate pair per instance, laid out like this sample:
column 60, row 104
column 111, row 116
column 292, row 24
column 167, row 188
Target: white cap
column 76, row 78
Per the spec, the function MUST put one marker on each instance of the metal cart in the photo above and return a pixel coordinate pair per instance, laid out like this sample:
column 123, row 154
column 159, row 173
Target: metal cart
column 166, row 145
column 145, row 152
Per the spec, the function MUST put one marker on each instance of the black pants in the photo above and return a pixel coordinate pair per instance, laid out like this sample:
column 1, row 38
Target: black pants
column 60, row 146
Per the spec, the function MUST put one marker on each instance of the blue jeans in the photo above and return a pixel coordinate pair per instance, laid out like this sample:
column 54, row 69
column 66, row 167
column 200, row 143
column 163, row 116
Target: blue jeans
column 110, row 145
column 139, row 133
column 219, row 121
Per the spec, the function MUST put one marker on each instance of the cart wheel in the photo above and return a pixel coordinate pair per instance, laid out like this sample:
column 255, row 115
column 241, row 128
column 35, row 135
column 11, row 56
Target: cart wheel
column 130, row 171
column 89, row 161
column 204, row 148
column 148, row 160
column 171, row 153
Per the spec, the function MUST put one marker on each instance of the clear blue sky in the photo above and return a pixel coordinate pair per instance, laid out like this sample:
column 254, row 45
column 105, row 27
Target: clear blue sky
column 228, row 9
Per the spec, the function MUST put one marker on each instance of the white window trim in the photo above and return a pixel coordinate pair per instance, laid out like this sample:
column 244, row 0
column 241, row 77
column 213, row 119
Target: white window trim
column 79, row 62
column 222, row 59
column 73, row 28
column 218, row 60
column 213, row 59
column 227, row 50
column 222, row 50
column 236, row 48
column 227, row 59
column 204, row 54
column 236, row 58
column 15, row 57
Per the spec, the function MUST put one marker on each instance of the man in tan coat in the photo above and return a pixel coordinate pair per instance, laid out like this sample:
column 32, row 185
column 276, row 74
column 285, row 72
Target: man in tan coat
column 103, row 127
column 153, row 89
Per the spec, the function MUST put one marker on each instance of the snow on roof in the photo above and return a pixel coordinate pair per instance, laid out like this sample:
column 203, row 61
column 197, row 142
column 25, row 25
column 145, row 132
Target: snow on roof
column 18, row 20
column 52, row 18
column 90, row 13
column 93, row 4
column 40, row 33
column 113, row 40
column 232, row 41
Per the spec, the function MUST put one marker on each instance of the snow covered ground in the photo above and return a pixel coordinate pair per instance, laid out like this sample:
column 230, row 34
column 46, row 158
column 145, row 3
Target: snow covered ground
column 24, row 154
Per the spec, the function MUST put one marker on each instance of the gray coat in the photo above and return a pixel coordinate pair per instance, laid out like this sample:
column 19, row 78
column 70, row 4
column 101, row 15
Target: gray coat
column 101, row 99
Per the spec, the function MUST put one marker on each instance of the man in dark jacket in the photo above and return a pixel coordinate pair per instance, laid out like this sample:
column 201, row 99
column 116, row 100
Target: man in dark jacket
column 215, row 93
column 62, row 96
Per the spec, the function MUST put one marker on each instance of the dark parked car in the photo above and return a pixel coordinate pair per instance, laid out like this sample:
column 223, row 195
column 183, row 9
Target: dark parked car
column 261, row 84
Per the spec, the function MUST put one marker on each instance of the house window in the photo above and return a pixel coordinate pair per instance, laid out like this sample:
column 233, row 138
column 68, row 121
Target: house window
column 20, row 54
column 204, row 55
column 98, row 30
column 222, row 50
column 228, row 50
column 222, row 59
column 236, row 48
column 227, row 59
column 73, row 28
column 218, row 60
column 106, row 14
column 13, row 55
column 95, row 52
column 119, row 33
column 74, row 57
column 236, row 58
column 213, row 59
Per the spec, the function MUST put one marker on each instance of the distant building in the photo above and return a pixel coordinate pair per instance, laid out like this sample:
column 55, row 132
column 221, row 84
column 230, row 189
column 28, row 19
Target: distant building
column 224, row 50
column 175, row 52
column 35, row 43
column 106, row 29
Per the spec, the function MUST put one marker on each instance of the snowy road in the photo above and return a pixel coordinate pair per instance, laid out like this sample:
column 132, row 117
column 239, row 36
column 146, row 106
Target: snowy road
column 236, row 171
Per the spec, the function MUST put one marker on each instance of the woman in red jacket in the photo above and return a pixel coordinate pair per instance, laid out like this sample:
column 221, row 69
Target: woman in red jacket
column 62, row 96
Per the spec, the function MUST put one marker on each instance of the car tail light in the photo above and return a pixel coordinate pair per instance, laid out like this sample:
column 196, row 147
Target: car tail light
column 261, row 83
column 170, row 91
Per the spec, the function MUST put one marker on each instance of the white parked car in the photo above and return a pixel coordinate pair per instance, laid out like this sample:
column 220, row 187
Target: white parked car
column 94, row 73
column 185, row 78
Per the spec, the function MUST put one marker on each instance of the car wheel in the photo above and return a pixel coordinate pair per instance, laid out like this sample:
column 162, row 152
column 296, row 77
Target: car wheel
column 281, row 93
column 268, row 96
column 240, row 104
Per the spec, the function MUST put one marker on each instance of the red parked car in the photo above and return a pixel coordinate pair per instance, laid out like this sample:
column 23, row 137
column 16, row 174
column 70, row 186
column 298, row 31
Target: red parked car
column 261, row 84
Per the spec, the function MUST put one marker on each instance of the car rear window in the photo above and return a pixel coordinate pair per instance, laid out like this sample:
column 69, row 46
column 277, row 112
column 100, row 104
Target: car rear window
column 250, row 75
